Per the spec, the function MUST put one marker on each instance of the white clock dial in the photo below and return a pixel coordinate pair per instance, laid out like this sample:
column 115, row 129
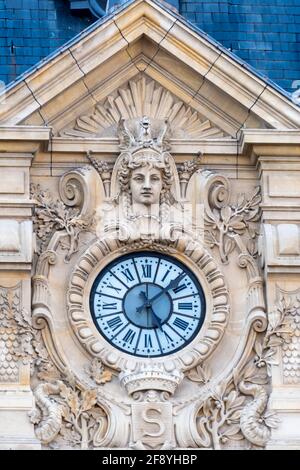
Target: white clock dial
column 147, row 304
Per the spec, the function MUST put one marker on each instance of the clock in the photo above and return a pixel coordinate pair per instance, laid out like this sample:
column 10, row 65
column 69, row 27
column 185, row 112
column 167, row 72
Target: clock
column 147, row 304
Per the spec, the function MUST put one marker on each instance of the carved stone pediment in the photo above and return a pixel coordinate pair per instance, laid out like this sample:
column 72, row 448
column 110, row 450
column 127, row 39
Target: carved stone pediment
column 138, row 98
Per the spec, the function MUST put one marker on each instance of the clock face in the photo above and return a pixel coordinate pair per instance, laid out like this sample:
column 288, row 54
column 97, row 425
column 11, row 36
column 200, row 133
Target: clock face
column 147, row 304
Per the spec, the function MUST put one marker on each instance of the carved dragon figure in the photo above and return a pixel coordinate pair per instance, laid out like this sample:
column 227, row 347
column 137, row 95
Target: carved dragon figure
column 50, row 417
column 251, row 421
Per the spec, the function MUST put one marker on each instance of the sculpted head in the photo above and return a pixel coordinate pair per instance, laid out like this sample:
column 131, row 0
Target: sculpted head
column 146, row 176
column 146, row 185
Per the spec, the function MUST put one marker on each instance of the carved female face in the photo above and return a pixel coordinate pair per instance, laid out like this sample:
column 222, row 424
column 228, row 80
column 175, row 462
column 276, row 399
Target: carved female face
column 146, row 185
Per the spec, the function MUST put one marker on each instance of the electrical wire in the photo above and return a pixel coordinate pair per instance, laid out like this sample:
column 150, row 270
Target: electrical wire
column 159, row 45
column 204, row 78
column 242, row 126
column 39, row 104
column 84, row 76
column 128, row 45
column 51, row 135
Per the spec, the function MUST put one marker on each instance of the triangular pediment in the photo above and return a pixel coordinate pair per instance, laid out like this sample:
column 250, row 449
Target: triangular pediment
column 145, row 59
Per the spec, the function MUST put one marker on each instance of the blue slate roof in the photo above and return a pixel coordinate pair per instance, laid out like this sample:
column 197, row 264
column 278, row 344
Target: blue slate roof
column 31, row 29
column 263, row 33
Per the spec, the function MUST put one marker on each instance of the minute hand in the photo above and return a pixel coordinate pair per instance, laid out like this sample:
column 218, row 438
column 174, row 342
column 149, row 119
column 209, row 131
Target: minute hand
column 172, row 285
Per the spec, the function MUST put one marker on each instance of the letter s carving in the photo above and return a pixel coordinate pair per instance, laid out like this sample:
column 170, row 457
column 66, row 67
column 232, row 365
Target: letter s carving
column 157, row 421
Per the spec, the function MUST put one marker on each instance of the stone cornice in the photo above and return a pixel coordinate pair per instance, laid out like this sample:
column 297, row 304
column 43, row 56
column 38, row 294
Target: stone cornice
column 25, row 133
column 270, row 136
column 111, row 145
column 274, row 144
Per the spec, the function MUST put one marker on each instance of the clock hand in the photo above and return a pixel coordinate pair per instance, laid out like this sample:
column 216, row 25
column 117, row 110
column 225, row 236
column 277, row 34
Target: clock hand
column 172, row 285
column 143, row 294
column 156, row 319
column 146, row 298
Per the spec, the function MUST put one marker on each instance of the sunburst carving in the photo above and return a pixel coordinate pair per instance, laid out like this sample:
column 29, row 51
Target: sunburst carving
column 139, row 98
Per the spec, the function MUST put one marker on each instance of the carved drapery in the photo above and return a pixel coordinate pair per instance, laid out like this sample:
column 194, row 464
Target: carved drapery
column 17, row 349
column 10, row 341
column 286, row 319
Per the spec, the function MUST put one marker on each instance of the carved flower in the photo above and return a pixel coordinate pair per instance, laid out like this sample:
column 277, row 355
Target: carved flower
column 270, row 419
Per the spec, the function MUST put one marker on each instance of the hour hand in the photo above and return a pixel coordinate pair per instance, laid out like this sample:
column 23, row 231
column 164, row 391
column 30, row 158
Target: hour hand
column 145, row 304
column 156, row 319
column 144, row 296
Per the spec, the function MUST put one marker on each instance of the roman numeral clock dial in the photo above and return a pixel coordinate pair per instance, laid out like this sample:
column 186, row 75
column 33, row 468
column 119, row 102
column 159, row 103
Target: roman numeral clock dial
column 147, row 304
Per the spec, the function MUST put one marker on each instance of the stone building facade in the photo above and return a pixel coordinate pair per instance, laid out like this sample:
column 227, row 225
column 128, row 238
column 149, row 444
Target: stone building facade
column 149, row 245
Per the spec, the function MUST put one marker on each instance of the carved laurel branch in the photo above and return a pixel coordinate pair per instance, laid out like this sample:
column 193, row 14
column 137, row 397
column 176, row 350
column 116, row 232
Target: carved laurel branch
column 64, row 414
column 279, row 332
column 68, row 416
column 256, row 422
column 53, row 215
column 108, row 247
column 225, row 221
column 69, row 412
column 225, row 413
